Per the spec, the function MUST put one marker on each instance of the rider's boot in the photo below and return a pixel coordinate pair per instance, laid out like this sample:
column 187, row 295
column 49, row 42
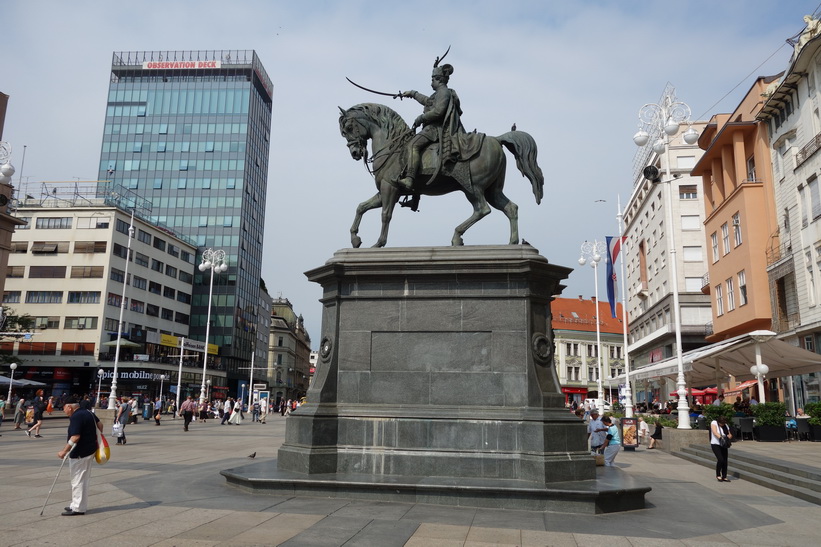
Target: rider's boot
column 410, row 171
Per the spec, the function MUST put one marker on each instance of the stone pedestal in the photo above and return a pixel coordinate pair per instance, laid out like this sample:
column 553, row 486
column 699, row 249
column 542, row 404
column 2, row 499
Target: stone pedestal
column 436, row 381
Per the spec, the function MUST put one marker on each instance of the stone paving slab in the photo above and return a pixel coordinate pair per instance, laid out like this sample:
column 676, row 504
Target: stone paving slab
column 164, row 488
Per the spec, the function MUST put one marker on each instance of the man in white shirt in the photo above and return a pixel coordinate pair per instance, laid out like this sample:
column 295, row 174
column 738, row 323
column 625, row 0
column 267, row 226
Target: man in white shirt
column 719, row 401
column 596, row 431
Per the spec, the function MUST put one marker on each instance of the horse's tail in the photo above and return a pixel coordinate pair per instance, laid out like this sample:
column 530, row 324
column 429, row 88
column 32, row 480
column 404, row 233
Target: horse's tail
column 523, row 148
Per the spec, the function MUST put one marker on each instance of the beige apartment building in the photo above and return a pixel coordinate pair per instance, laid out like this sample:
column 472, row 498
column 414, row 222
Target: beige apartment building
column 740, row 223
column 67, row 273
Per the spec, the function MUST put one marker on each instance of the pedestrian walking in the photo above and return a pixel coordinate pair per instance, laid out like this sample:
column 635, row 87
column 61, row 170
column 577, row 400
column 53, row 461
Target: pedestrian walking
column 613, row 445
column 187, row 409
column 236, row 415
column 39, row 407
column 122, row 418
column 596, row 432
column 20, row 413
column 80, row 448
column 228, row 407
column 720, row 440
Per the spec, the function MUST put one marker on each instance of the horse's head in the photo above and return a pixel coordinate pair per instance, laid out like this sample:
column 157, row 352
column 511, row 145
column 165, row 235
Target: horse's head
column 355, row 131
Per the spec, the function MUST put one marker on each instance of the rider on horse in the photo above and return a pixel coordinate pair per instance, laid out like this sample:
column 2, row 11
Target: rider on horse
column 441, row 122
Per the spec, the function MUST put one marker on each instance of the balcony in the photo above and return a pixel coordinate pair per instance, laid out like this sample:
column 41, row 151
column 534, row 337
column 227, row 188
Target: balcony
column 705, row 283
column 786, row 323
column 808, row 150
column 708, row 328
column 779, row 253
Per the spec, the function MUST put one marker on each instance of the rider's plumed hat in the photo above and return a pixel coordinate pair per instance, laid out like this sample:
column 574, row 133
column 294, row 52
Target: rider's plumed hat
column 444, row 71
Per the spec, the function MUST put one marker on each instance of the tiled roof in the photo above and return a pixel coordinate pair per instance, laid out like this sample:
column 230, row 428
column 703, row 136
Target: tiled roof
column 580, row 315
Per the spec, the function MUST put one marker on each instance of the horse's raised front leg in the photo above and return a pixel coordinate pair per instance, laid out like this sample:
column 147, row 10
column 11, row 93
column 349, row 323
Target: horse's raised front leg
column 390, row 196
column 361, row 209
column 480, row 210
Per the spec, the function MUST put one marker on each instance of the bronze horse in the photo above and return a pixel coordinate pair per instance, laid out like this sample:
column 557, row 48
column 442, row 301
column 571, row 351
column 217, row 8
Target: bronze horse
column 481, row 177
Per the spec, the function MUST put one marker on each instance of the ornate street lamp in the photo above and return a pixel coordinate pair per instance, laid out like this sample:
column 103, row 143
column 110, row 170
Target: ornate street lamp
column 592, row 251
column 100, row 374
column 213, row 260
column 13, row 367
column 162, row 379
column 662, row 121
column 113, row 397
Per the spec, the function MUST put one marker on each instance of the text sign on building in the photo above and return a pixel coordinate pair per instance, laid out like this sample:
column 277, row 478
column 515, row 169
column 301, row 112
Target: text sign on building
column 176, row 65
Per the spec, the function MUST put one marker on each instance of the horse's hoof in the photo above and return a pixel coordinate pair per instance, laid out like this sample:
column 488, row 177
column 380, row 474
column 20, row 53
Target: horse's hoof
column 457, row 242
column 379, row 244
column 356, row 242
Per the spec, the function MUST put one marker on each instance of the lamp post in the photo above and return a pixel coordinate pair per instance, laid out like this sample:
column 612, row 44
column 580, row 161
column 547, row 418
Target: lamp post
column 592, row 250
column 13, row 367
column 162, row 378
column 759, row 369
column 100, row 374
column 113, row 397
column 242, row 395
column 213, row 260
column 208, row 389
column 663, row 121
column 628, row 389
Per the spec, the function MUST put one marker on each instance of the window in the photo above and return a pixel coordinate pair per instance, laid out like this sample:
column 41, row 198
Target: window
column 46, row 248
column 815, row 198
column 120, row 251
column 44, row 297
column 19, row 246
column 87, row 271
column 80, row 323
column 90, row 246
column 117, row 275
column 156, row 265
column 11, row 297
column 725, row 238
column 141, row 259
column 167, row 314
column 692, row 254
column 110, row 325
column 170, row 271
column 719, row 300
column 77, row 348
column 158, row 183
column 173, row 250
column 185, row 298
column 159, row 243
column 730, row 295
column 751, row 169
column 154, row 288
column 53, row 223
column 168, row 292
column 52, row 322
column 692, row 284
column 143, row 236
column 37, row 348
column 690, row 222
column 121, row 226
column 47, row 272
column 185, row 256
column 592, row 350
column 86, row 223
column 182, row 318
column 27, row 224
column 186, row 277
column 714, row 243
column 152, row 310
column 83, row 297
column 114, row 300
column 139, row 283
column 16, row 271
column 742, row 288
column 137, row 306
column 737, row 229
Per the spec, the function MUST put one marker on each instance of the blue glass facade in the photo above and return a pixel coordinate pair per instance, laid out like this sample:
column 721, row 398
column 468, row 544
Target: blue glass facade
column 189, row 132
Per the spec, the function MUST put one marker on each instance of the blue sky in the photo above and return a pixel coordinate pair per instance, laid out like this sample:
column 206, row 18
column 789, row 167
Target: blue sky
column 572, row 74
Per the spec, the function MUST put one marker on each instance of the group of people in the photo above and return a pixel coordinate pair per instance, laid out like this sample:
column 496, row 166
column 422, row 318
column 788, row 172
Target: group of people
column 604, row 436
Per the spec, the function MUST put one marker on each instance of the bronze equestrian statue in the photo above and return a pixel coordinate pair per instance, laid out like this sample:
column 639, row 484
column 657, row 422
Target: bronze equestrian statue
column 406, row 163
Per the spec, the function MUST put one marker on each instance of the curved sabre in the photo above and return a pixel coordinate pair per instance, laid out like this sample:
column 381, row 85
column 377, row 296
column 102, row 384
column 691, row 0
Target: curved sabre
column 394, row 95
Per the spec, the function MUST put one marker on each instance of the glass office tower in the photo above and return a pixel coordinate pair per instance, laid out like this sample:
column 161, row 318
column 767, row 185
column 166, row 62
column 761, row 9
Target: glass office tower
column 189, row 132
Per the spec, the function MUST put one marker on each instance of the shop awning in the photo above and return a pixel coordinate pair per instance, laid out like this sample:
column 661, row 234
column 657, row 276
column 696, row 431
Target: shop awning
column 735, row 357
column 19, row 382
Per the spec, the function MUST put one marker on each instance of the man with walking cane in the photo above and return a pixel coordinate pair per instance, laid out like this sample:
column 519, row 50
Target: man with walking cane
column 80, row 448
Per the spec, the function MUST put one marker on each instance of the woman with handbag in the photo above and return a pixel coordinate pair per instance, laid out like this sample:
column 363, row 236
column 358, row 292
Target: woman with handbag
column 122, row 419
column 720, row 440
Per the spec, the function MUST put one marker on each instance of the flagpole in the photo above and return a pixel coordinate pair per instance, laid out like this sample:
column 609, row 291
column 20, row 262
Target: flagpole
column 628, row 390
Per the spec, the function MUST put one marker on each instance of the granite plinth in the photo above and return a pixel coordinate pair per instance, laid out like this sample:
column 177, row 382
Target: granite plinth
column 611, row 491
column 436, row 373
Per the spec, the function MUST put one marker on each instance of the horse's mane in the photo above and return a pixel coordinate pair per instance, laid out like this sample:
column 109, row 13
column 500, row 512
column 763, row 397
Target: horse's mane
column 384, row 117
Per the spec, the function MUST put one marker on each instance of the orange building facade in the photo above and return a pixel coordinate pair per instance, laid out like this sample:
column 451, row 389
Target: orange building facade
column 740, row 222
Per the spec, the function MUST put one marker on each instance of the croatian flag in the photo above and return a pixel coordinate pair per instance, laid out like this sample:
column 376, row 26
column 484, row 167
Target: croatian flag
column 613, row 249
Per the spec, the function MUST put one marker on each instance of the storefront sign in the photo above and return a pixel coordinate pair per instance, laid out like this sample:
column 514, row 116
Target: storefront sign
column 177, row 65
